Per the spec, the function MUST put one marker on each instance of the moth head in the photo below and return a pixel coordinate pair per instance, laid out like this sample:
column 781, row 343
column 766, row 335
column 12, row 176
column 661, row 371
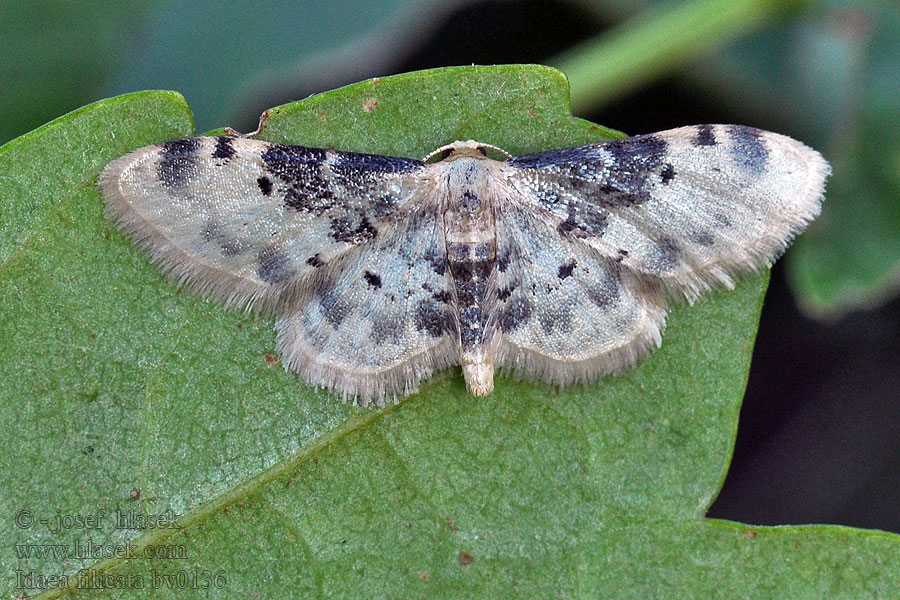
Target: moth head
column 469, row 148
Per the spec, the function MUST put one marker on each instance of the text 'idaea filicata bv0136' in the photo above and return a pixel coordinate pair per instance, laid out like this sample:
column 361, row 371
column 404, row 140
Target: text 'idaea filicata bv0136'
column 557, row 266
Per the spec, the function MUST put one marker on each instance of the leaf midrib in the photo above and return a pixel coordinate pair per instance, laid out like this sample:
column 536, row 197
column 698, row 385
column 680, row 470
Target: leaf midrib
column 241, row 490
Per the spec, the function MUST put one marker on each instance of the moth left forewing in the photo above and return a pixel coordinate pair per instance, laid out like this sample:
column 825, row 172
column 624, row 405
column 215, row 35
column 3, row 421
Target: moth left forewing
column 690, row 207
column 248, row 221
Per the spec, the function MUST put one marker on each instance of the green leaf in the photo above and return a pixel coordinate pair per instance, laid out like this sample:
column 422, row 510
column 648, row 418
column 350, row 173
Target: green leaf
column 121, row 393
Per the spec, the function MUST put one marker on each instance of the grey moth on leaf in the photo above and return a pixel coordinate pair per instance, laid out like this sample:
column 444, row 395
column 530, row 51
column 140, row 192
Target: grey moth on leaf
column 557, row 266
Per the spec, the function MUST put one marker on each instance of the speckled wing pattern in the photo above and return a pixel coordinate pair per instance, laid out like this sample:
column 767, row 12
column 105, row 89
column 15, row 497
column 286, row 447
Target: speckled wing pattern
column 689, row 207
column 557, row 266
column 605, row 237
column 248, row 221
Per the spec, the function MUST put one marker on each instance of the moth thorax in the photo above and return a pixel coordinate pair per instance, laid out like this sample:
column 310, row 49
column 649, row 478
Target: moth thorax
column 469, row 183
column 469, row 202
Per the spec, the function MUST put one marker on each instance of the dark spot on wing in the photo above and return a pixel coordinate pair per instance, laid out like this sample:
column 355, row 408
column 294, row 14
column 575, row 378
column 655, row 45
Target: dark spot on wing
column 301, row 169
column 602, row 176
column 224, row 147
column 703, row 238
column 314, row 261
column 606, row 292
column 505, row 293
column 555, row 158
column 372, row 279
column 291, row 162
column 622, row 182
column 593, row 220
column 350, row 162
column 641, row 152
column 722, row 220
column 705, row 136
column 442, row 296
column 210, row 231
column 503, row 259
column 665, row 254
column 565, row 228
column 431, row 317
column 228, row 245
column 516, row 312
column 311, row 183
column 386, row 327
column 566, row 269
column 343, row 229
column 626, row 181
column 748, row 149
column 274, row 266
column 583, row 220
column 232, row 247
column 312, row 194
column 437, row 259
column 623, row 254
column 334, row 309
column 557, row 318
column 384, row 205
column 265, row 185
column 178, row 162
column 667, row 174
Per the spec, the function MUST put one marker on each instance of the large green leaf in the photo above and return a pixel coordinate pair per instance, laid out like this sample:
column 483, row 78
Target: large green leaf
column 119, row 392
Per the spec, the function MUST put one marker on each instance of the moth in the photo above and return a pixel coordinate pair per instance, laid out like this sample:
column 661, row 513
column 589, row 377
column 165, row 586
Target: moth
column 556, row 266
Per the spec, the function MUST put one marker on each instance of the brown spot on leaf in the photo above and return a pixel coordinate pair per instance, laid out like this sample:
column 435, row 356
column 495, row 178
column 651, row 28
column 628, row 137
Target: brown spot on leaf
column 271, row 359
column 369, row 104
column 465, row 558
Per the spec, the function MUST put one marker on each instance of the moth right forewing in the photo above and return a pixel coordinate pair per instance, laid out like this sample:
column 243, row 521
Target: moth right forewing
column 691, row 207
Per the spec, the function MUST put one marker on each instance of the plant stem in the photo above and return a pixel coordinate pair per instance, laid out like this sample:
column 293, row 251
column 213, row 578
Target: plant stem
column 655, row 42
